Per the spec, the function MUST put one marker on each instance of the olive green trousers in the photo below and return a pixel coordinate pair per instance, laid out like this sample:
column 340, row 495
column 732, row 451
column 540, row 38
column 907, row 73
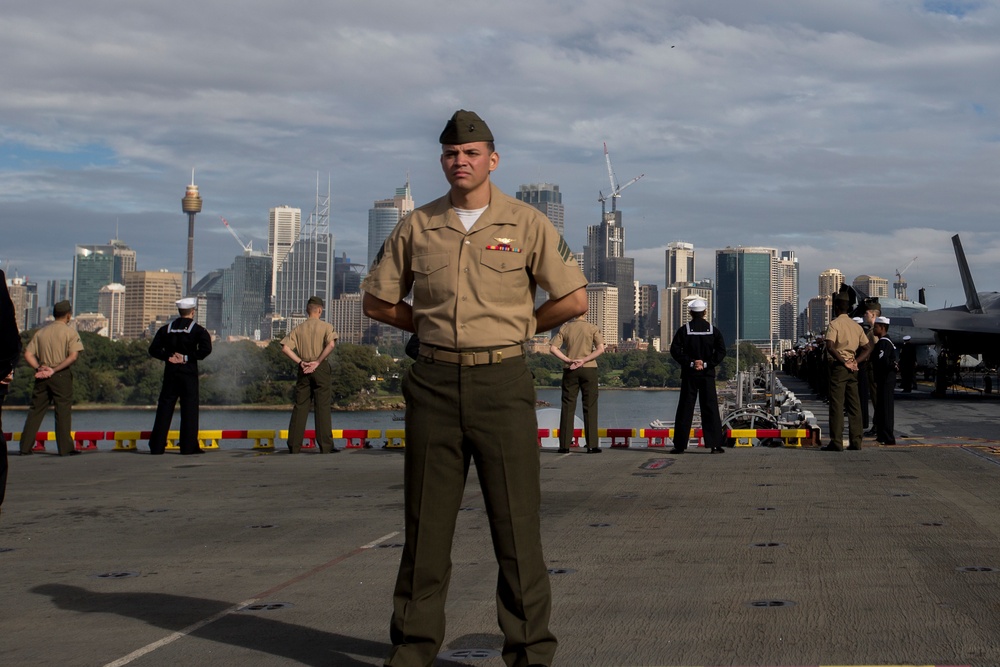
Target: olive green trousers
column 454, row 416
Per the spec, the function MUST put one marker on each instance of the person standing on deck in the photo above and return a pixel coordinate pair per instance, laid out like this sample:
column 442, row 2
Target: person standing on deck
column 698, row 348
column 473, row 259
column 584, row 343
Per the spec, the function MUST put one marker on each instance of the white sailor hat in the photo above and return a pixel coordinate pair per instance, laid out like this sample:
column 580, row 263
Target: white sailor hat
column 187, row 303
column 881, row 320
column 857, row 319
column 906, row 338
column 697, row 306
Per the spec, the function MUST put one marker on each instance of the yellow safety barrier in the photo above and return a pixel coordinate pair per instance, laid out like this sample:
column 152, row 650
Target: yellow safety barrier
column 125, row 441
column 793, row 437
column 394, row 434
column 743, row 436
column 209, row 439
column 262, row 439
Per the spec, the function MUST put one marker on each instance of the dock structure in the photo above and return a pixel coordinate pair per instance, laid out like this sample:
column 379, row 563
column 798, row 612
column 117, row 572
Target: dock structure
column 766, row 556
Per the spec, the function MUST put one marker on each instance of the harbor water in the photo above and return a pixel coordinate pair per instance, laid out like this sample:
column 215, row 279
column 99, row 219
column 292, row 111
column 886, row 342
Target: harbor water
column 618, row 408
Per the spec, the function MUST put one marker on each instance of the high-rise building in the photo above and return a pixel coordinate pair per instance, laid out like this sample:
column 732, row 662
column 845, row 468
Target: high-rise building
column 95, row 266
column 246, row 286
column 743, row 293
column 384, row 215
column 284, row 224
column 873, row 286
column 346, row 276
column 602, row 310
column 24, row 295
column 111, row 304
column 680, row 263
column 674, row 311
column 605, row 262
column 785, row 296
column 647, row 313
column 308, row 267
column 208, row 290
column 350, row 322
column 830, row 282
column 547, row 199
column 56, row 291
column 150, row 298
column 818, row 314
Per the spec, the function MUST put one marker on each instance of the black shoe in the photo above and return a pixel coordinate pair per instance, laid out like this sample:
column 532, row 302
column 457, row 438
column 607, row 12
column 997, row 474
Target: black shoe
column 593, row 450
column 853, row 448
column 677, row 450
column 27, row 453
column 71, row 453
column 718, row 450
column 195, row 451
column 871, row 433
column 831, row 448
column 334, row 450
column 563, row 450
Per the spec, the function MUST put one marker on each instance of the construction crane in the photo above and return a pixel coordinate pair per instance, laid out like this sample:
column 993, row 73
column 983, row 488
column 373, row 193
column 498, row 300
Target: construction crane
column 899, row 287
column 247, row 247
column 616, row 189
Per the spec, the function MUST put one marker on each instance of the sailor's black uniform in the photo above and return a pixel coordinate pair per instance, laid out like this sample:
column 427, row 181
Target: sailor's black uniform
column 189, row 338
column 698, row 339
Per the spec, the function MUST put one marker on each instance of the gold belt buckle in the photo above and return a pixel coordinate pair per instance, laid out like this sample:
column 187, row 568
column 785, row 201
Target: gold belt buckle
column 499, row 356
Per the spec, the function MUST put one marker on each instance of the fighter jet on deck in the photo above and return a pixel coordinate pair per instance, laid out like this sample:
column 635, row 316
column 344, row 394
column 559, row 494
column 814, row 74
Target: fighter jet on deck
column 972, row 329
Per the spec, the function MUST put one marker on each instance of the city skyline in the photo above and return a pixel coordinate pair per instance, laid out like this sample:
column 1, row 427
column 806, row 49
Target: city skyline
column 858, row 134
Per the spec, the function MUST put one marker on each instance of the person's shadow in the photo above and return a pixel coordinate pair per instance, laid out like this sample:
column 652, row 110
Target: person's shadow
column 247, row 630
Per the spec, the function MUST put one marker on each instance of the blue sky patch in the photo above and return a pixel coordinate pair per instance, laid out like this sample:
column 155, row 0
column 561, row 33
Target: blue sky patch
column 18, row 156
column 956, row 8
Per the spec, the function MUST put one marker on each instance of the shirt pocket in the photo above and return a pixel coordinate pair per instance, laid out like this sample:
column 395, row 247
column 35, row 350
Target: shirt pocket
column 430, row 280
column 505, row 279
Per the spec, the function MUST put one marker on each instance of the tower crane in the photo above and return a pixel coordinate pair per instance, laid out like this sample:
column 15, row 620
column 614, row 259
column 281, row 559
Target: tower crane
column 616, row 189
column 899, row 287
column 247, row 247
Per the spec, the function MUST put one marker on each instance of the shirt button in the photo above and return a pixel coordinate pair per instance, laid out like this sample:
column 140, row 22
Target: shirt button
column 464, row 298
column 468, row 243
column 466, row 269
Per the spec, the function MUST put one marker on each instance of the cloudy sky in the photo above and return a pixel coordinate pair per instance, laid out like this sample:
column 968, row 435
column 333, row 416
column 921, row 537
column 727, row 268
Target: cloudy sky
column 858, row 133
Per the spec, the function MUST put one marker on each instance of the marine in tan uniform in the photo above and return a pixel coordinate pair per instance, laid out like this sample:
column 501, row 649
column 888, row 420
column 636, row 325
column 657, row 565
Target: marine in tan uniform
column 583, row 343
column 309, row 345
column 51, row 352
column 473, row 259
column 846, row 346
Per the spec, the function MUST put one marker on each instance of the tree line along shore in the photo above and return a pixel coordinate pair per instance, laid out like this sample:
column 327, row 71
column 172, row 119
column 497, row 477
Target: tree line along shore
column 242, row 373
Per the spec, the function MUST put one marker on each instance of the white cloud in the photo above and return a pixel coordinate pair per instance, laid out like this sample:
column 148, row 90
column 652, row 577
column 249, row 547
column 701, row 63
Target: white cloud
column 857, row 133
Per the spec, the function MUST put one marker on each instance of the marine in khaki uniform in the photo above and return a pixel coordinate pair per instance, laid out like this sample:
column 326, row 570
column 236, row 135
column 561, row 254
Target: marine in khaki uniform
column 584, row 343
column 50, row 353
column 309, row 345
column 847, row 345
column 473, row 259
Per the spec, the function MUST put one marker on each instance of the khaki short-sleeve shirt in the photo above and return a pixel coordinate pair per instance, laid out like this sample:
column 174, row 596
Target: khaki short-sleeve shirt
column 310, row 338
column 54, row 342
column 580, row 338
column 474, row 289
column 845, row 335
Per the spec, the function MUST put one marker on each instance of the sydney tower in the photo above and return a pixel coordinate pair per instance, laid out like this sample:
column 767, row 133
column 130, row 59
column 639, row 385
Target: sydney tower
column 191, row 204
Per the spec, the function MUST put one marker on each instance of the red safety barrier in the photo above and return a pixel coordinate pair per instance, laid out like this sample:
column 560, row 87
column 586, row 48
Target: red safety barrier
column 356, row 438
column 40, row 439
column 311, row 437
column 84, row 440
column 620, row 437
column 542, row 433
column 657, row 437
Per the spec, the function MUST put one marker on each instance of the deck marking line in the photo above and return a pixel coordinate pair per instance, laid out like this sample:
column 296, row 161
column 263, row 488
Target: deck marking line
column 149, row 648
column 169, row 639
